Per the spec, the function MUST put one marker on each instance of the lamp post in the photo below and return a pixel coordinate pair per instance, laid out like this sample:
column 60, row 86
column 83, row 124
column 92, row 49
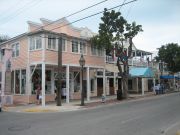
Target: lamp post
column 82, row 63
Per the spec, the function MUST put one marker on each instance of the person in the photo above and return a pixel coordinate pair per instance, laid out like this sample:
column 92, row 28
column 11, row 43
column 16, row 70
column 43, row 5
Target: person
column 55, row 94
column 38, row 94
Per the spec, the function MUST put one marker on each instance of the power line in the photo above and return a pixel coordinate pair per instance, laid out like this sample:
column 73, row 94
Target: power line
column 11, row 7
column 121, row 6
column 19, row 11
column 72, row 14
column 92, row 15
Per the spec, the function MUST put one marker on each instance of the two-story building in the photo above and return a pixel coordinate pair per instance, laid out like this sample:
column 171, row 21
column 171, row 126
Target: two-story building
column 31, row 59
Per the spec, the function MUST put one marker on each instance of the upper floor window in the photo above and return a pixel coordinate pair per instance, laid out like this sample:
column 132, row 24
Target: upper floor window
column 79, row 47
column 82, row 47
column 51, row 42
column 63, row 44
column 35, row 43
column 1, row 54
column 97, row 51
column 75, row 46
column 15, row 50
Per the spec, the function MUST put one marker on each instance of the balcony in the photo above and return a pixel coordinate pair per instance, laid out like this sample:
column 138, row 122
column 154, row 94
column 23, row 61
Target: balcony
column 135, row 61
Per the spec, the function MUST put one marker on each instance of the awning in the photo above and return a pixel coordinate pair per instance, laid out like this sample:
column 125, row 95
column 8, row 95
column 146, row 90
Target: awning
column 112, row 68
column 169, row 77
column 141, row 72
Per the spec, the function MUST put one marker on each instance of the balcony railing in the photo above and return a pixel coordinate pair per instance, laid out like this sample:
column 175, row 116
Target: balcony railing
column 137, row 62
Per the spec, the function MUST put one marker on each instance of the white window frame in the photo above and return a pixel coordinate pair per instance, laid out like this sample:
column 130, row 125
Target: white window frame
column 34, row 46
column 81, row 45
column 15, row 49
column 82, row 50
column 97, row 52
column 77, row 46
column 52, row 43
column 64, row 46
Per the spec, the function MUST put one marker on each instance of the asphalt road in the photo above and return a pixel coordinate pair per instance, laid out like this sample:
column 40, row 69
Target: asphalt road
column 150, row 116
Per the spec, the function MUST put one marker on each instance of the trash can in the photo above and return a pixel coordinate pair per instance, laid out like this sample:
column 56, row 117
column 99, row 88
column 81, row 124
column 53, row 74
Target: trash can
column 119, row 95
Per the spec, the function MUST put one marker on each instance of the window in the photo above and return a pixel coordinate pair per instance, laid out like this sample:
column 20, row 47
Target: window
column 63, row 45
column 82, row 48
column 51, row 42
column 15, row 50
column 96, row 51
column 18, row 81
column 79, row 47
column 93, row 50
column 75, row 46
column 1, row 54
column 35, row 43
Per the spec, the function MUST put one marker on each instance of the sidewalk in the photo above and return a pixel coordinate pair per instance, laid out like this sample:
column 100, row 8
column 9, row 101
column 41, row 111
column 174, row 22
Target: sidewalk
column 173, row 130
column 74, row 105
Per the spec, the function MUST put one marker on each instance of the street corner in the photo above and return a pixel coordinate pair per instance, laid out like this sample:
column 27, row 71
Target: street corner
column 39, row 110
column 174, row 129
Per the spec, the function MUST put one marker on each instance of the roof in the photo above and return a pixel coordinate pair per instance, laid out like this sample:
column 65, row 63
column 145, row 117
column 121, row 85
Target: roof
column 141, row 72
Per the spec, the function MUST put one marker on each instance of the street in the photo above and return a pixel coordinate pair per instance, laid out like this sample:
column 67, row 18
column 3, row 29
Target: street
column 147, row 116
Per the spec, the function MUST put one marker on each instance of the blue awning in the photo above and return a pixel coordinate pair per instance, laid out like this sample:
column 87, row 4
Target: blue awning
column 141, row 72
column 169, row 77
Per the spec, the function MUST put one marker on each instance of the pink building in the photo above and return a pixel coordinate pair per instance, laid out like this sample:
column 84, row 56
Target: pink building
column 31, row 58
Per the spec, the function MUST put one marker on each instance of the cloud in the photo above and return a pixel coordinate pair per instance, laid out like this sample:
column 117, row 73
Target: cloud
column 156, row 35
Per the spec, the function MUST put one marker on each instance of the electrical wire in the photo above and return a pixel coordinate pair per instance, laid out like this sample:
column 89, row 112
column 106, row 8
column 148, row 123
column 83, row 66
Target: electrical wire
column 92, row 15
column 19, row 11
column 72, row 14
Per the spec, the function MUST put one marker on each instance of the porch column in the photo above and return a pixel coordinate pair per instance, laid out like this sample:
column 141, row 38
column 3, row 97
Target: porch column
column 72, row 86
column 104, row 82
column 88, row 84
column 20, row 81
column 52, row 81
column 43, row 84
column 143, row 86
column 67, row 84
column 28, row 82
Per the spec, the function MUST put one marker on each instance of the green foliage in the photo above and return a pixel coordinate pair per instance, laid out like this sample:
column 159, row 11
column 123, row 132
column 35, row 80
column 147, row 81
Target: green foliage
column 3, row 38
column 114, row 28
column 170, row 54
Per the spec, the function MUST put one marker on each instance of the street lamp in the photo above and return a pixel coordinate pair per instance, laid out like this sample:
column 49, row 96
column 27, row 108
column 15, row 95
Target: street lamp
column 82, row 63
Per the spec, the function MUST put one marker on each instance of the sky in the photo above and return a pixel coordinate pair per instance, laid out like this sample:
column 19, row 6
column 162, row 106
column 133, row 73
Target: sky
column 160, row 19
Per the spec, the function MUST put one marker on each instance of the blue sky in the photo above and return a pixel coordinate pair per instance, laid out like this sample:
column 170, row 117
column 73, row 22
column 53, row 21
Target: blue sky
column 160, row 19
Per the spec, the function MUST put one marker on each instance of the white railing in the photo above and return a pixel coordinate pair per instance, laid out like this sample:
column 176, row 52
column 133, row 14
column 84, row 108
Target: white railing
column 137, row 62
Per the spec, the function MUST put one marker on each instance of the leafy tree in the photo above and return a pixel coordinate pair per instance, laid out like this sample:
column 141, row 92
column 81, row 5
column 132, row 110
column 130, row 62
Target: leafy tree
column 113, row 31
column 170, row 54
column 3, row 38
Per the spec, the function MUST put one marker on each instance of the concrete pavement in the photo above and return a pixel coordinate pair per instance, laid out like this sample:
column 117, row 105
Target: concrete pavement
column 72, row 106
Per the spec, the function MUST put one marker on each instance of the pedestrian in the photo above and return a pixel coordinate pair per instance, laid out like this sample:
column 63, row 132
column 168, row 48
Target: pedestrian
column 38, row 94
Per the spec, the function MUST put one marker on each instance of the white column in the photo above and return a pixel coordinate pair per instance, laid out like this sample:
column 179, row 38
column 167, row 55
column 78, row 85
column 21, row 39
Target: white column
column 52, row 81
column 43, row 71
column 67, row 84
column 143, row 86
column 72, row 86
column 43, row 84
column 104, row 82
column 3, row 77
column 88, row 84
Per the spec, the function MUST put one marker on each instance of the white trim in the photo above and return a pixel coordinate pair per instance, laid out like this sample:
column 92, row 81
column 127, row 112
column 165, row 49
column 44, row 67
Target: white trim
column 88, row 84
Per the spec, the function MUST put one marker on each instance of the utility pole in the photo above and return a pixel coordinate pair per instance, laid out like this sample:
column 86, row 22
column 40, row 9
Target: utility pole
column 59, row 86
